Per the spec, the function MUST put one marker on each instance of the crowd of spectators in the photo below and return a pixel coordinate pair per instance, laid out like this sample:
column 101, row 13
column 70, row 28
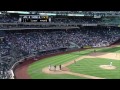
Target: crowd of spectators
column 18, row 44
column 8, row 19
column 76, row 20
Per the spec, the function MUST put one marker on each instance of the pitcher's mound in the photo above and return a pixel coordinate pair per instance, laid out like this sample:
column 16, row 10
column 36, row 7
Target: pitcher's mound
column 107, row 67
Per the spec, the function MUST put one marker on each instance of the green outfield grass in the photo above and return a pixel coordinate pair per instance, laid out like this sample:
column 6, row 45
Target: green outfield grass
column 113, row 49
column 35, row 69
column 90, row 66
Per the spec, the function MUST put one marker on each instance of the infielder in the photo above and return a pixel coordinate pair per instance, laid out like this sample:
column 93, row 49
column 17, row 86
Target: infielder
column 50, row 67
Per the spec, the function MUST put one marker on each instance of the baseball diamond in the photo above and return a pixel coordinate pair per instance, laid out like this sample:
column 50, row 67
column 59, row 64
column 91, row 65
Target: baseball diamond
column 87, row 65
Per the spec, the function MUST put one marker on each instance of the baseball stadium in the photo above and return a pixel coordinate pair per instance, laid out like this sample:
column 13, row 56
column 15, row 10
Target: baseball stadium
column 60, row 45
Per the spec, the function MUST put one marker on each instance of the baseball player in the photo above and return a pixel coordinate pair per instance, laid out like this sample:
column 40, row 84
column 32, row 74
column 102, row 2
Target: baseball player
column 110, row 63
column 50, row 67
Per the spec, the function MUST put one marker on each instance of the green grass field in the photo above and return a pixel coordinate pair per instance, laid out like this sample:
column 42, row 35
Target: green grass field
column 90, row 66
column 86, row 66
column 35, row 69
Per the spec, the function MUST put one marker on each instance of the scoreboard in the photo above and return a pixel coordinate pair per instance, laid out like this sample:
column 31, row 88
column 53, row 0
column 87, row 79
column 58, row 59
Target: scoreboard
column 33, row 18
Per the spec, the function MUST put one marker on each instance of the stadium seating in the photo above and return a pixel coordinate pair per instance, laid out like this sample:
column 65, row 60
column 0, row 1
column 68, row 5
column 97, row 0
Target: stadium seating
column 18, row 44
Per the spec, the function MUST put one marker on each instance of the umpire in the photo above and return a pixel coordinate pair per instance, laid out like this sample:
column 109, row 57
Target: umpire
column 60, row 67
column 55, row 67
